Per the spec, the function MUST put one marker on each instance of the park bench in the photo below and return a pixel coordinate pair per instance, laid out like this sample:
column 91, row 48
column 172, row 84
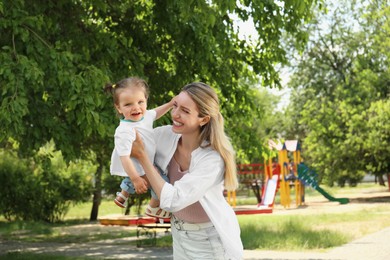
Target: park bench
column 146, row 227
column 251, row 176
column 147, row 232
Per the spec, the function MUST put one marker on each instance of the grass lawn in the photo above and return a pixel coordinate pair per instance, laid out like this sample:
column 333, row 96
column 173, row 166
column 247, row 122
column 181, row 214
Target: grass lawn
column 306, row 229
column 286, row 230
column 310, row 232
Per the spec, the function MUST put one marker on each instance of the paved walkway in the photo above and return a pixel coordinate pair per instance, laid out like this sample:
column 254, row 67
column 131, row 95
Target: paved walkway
column 372, row 247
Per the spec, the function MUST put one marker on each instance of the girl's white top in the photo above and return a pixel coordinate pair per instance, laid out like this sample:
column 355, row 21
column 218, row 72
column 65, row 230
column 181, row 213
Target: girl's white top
column 203, row 183
column 124, row 138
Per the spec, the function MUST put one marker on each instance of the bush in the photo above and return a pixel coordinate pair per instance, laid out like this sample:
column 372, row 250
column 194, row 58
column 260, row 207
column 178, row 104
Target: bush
column 15, row 180
column 40, row 188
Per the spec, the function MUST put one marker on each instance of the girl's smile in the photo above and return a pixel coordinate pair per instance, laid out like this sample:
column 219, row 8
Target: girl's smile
column 132, row 103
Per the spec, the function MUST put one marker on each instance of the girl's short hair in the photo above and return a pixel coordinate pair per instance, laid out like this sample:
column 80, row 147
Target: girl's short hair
column 116, row 88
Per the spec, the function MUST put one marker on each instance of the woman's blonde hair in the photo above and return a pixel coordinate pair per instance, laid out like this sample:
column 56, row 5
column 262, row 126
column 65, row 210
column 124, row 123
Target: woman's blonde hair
column 207, row 102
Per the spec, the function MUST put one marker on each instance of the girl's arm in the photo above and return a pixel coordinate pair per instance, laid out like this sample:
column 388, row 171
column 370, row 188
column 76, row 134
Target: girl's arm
column 140, row 184
column 138, row 152
column 161, row 110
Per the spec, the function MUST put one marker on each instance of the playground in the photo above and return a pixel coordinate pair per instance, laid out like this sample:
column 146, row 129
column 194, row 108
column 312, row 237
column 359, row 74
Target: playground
column 282, row 173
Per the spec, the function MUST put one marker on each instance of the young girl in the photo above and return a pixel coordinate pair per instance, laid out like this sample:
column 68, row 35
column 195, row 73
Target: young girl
column 130, row 99
column 200, row 162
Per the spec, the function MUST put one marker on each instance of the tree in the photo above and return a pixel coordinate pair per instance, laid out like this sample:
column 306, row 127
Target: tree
column 343, row 72
column 377, row 138
column 55, row 57
column 263, row 126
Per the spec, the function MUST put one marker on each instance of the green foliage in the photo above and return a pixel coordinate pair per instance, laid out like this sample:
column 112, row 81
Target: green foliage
column 342, row 73
column 55, row 57
column 42, row 188
column 265, row 125
column 377, row 138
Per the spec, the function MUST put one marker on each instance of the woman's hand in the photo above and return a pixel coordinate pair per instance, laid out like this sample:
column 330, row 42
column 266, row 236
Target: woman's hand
column 138, row 149
column 153, row 177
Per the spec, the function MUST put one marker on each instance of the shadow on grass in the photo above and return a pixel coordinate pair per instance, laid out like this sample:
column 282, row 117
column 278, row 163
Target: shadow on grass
column 38, row 232
column 31, row 256
column 380, row 199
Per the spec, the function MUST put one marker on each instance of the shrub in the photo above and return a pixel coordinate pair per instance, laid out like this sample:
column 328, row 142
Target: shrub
column 41, row 188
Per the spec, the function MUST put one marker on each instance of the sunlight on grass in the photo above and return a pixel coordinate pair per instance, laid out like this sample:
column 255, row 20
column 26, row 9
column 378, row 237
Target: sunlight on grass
column 288, row 234
column 292, row 236
column 310, row 232
column 107, row 207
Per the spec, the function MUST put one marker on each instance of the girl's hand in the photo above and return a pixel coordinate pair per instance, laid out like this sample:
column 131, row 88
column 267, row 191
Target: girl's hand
column 138, row 149
column 140, row 185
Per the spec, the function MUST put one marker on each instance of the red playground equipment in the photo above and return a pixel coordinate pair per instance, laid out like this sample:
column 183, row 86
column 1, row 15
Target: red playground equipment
column 272, row 176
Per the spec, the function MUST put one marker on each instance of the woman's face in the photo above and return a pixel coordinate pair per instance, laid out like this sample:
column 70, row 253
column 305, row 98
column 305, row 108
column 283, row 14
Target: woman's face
column 185, row 115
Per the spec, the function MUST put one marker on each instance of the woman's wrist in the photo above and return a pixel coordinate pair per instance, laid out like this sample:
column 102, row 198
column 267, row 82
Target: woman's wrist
column 142, row 156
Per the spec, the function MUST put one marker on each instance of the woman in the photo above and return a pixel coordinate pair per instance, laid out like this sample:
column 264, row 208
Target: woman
column 199, row 160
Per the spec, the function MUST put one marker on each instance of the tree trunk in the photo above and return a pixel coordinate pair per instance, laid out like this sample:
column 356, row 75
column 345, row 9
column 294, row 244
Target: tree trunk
column 130, row 202
column 97, row 193
column 381, row 180
column 388, row 180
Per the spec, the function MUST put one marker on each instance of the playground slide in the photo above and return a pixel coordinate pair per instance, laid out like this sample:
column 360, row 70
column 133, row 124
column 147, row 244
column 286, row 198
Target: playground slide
column 330, row 197
column 309, row 176
column 269, row 192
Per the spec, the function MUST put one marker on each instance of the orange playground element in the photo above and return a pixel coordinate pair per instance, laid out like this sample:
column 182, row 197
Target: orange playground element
column 289, row 171
column 126, row 220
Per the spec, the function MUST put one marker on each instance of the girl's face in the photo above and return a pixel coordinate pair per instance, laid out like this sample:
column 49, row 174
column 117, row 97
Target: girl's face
column 132, row 103
column 185, row 115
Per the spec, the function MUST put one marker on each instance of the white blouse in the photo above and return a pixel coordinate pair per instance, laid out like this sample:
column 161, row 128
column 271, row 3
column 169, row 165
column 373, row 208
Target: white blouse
column 203, row 183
